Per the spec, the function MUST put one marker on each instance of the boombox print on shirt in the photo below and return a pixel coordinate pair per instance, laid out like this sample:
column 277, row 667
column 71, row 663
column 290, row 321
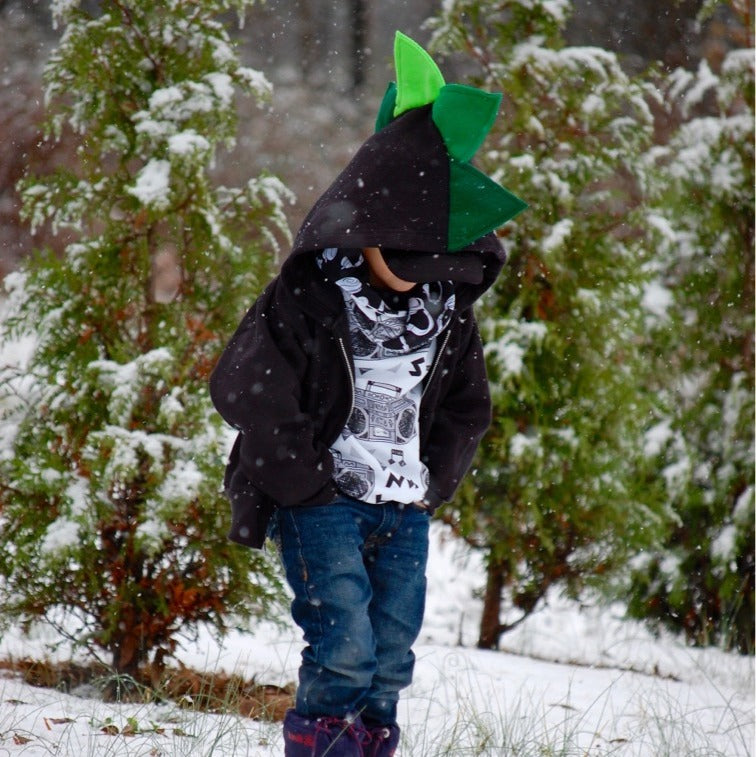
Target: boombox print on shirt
column 382, row 414
column 377, row 456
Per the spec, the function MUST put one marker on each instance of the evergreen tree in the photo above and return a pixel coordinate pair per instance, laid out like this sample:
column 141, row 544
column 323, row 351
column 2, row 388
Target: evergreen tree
column 702, row 581
column 560, row 492
column 112, row 521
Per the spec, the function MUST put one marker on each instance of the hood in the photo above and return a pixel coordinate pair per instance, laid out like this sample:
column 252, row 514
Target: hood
column 411, row 186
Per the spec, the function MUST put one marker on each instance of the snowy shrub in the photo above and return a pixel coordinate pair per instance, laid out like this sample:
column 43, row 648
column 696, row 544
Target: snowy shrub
column 702, row 188
column 112, row 520
column 560, row 492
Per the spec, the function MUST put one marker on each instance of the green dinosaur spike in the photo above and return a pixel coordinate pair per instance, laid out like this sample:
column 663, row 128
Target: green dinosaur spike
column 386, row 111
column 477, row 205
column 419, row 79
column 464, row 115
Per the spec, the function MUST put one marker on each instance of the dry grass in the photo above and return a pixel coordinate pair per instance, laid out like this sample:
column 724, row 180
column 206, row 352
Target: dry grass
column 192, row 689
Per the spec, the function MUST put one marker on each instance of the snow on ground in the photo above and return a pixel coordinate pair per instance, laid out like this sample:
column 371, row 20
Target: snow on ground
column 570, row 681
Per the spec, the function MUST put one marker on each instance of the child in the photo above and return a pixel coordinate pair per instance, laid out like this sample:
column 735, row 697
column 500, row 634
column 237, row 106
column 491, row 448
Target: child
column 357, row 383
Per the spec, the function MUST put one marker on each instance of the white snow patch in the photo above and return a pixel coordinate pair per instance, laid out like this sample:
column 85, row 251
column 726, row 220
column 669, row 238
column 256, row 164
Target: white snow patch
column 511, row 348
column 590, row 298
column 255, row 80
column 521, row 444
column 744, row 506
column 723, row 545
column 187, row 142
column 676, row 475
column 656, row 438
column 657, row 299
column 223, row 53
column 223, row 86
column 593, row 104
column 511, row 355
column 557, row 236
column 60, row 10
column 166, row 97
column 182, row 482
column 151, row 533
column 662, row 225
column 704, row 81
column 153, row 184
column 63, row 532
column 60, row 534
column 523, row 162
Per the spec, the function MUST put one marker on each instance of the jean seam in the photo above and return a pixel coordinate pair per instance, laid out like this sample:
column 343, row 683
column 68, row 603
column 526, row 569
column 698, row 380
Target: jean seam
column 400, row 512
column 375, row 538
column 306, row 575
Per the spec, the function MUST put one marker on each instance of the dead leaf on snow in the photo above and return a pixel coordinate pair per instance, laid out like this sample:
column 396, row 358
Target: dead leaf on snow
column 56, row 721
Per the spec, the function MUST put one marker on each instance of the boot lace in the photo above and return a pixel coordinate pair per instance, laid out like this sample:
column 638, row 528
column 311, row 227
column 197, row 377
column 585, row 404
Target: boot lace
column 343, row 728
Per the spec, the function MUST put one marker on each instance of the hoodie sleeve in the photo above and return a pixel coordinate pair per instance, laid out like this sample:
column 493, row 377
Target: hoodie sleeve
column 257, row 388
column 460, row 420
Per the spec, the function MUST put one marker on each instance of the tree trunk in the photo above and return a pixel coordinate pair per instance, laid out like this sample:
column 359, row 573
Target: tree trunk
column 359, row 41
column 123, row 685
column 126, row 656
column 490, row 623
column 308, row 40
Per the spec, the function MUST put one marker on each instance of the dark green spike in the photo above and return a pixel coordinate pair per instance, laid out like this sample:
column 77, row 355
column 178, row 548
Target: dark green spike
column 477, row 205
column 464, row 116
column 386, row 111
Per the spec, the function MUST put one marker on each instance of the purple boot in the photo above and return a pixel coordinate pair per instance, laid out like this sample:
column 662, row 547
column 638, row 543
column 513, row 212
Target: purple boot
column 315, row 737
column 383, row 741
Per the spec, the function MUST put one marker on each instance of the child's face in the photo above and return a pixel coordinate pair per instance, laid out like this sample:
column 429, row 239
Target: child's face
column 380, row 273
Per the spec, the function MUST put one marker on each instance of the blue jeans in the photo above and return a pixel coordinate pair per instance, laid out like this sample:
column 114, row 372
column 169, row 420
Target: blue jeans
column 358, row 575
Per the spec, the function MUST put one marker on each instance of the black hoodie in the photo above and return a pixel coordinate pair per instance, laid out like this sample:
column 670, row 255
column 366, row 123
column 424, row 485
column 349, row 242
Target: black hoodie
column 285, row 381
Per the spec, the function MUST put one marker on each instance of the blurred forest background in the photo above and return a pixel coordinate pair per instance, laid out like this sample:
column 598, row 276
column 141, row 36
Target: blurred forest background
column 329, row 61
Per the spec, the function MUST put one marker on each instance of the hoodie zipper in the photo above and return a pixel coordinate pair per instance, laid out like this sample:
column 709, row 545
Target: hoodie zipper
column 437, row 360
column 349, row 371
column 431, row 375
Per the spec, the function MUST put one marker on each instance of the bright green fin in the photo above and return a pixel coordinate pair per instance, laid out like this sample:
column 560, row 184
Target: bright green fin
column 464, row 116
column 477, row 205
column 418, row 78
column 386, row 111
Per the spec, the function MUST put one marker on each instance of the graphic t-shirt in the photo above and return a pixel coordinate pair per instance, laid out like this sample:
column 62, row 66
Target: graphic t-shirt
column 377, row 455
column 393, row 339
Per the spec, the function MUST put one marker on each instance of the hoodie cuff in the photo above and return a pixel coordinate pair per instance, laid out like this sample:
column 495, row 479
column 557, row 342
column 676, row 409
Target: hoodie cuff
column 430, row 502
